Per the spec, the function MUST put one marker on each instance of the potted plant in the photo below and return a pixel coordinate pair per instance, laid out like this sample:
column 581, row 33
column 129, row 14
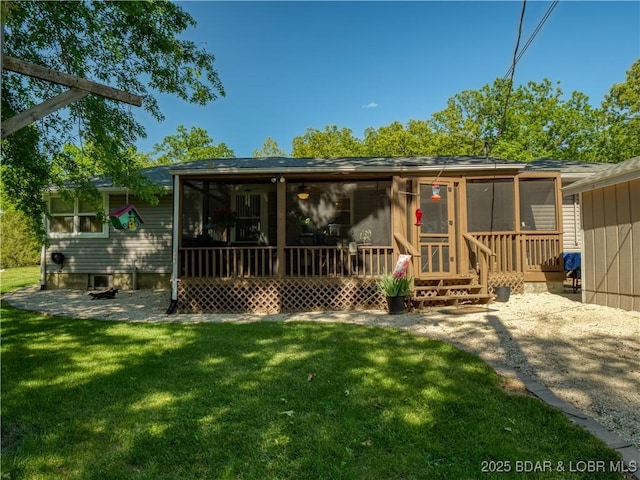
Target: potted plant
column 396, row 286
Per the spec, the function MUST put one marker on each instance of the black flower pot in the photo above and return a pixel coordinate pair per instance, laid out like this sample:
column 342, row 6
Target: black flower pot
column 396, row 305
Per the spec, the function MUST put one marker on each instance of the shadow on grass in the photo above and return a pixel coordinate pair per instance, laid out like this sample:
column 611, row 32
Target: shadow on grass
column 90, row 399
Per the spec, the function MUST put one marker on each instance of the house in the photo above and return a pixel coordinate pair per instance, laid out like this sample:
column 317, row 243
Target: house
column 283, row 234
column 610, row 210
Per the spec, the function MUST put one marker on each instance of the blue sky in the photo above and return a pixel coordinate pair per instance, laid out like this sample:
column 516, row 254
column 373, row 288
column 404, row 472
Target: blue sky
column 288, row 66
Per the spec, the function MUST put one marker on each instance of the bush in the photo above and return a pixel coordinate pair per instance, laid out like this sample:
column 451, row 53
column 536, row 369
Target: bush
column 19, row 246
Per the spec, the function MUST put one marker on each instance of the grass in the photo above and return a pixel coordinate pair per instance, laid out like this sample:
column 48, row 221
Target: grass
column 13, row 278
column 85, row 399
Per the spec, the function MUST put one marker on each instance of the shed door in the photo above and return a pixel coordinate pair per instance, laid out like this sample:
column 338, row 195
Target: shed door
column 437, row 233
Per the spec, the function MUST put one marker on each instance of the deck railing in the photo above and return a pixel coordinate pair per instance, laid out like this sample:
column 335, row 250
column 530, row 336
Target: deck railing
column 523, row 252
column 483, row 256
column 300, row 261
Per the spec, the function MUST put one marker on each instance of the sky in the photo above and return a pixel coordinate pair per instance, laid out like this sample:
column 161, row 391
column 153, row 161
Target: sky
column 290, row 66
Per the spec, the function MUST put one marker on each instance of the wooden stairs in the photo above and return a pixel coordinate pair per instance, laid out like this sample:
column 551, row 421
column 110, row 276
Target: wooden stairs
column 450, row 290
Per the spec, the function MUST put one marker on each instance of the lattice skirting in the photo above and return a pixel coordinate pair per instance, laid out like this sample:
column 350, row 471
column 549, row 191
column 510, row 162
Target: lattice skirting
column 210, row 295
column 514, row 280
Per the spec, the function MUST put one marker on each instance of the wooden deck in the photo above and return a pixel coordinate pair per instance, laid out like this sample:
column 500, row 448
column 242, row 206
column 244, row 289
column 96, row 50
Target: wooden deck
column 255, row 279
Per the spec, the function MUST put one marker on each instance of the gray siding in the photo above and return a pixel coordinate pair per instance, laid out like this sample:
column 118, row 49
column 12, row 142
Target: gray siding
column 571, row 223
column 148, row 248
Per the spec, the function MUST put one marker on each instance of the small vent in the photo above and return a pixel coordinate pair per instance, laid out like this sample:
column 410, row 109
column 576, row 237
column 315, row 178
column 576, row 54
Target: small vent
column 100, row 281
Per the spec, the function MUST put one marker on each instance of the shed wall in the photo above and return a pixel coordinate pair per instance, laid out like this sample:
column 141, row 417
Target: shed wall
column 611, row 267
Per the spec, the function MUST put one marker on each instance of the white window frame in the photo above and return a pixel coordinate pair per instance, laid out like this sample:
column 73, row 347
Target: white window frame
column 76, row 221
column 264, row 215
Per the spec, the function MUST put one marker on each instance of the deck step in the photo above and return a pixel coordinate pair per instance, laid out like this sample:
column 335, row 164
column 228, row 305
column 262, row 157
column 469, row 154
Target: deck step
column 453, row 299
column 445, row 288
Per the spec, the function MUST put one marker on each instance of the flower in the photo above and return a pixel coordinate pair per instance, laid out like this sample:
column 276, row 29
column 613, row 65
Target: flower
column 392, row 285
column 223, row 217
column 397, row 284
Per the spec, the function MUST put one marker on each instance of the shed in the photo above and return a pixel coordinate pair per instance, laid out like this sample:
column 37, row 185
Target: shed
column 610, row 212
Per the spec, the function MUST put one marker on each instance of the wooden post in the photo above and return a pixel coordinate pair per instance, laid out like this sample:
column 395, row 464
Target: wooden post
column 281, row 219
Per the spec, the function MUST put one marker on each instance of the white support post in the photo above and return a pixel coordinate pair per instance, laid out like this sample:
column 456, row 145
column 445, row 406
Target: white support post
column 176, row 230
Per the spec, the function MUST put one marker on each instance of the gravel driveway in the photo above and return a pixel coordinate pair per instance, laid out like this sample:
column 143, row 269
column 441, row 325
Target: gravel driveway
column 587, row 355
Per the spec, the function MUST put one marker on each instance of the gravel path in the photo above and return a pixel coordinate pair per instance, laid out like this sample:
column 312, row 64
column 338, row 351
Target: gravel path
column 587, row 355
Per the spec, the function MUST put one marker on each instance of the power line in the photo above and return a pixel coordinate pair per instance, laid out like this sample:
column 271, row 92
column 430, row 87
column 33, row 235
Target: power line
column 542, row 21
column 512, row 70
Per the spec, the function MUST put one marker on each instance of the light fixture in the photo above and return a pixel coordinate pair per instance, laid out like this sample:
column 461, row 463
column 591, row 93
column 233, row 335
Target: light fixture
column 277, row 179
column 303, row 192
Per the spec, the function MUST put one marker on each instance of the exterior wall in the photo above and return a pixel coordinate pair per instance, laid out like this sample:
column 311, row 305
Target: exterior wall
column 611, row 258
column 148, row 250
column 572, row 240
column 123, row 281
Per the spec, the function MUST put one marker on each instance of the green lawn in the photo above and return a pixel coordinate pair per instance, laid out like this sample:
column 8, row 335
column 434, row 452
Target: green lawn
column 84, row 399
column 13, row 278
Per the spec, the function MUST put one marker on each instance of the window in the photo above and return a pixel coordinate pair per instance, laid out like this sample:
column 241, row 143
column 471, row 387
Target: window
column 490, row 205
column 538, row 204
column 75, row 217
column 250, row 220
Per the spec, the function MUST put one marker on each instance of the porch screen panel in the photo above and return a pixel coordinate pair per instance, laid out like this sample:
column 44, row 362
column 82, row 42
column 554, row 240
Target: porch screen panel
column 194, row 229
column 538, row 204
column 490, row 205
column 435, row 213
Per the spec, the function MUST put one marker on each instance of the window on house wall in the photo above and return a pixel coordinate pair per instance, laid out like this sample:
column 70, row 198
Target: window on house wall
column 538, row 204
column 250, row 226
column 74, row 217
column 490, row 205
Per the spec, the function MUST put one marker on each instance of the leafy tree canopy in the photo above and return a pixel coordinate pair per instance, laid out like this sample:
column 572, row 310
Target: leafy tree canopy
column 620, row 138
column 269, row 149
column 185, row 146
column 132, row 46
column 540, row 122
column 330, row 143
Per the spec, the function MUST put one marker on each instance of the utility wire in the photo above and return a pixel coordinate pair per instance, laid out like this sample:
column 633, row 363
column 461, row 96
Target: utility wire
column 512, row 71
column 542, row 21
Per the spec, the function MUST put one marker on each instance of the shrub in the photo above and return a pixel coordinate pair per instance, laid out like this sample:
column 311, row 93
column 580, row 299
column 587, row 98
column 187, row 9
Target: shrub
column 19, row 245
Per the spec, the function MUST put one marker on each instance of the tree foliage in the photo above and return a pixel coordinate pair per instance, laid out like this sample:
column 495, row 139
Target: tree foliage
column 185, row 146
column 269, row 149
column 416, row 138
column 132, row 46
column 620, row 138
column 537, row 121
column 330, row 143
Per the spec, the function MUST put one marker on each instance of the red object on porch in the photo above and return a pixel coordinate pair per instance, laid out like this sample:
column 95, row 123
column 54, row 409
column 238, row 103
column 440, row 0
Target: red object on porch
column 418, row 217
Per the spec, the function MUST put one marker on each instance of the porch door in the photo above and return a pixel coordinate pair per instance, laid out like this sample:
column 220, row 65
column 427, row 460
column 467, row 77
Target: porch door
column 436, row 236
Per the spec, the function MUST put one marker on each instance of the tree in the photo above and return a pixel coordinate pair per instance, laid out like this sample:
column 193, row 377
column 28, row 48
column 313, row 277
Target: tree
column 185, row 146
column 20, row 247
column 535, row 123
column 269, row 149
column 397, row 140
column 330, row 143
column 132, row 46
column 621, row 118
